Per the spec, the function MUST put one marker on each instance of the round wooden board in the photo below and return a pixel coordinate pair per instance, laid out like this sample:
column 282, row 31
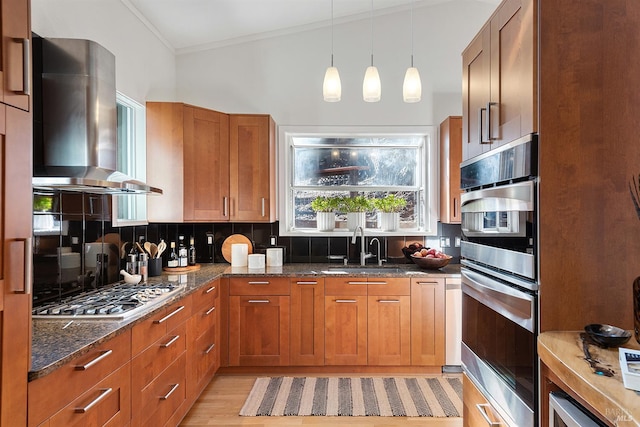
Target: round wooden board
column 186, row 269
column 234, row 238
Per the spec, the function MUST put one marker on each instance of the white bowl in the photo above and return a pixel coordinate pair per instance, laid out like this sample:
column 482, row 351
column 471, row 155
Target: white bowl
column 132, row 279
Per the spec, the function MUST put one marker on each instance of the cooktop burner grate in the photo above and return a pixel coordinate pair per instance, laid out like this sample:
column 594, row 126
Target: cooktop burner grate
column 115, row 302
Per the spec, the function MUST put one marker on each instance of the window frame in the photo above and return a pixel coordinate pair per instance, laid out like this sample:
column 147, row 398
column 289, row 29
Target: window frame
column 429, row 175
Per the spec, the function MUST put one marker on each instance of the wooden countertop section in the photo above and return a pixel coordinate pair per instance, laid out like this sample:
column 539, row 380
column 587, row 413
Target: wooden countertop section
column 562, row 353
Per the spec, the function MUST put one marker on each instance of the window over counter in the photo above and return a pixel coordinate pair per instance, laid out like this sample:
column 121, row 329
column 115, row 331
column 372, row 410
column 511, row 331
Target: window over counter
column 130, row 209
column 357, row 163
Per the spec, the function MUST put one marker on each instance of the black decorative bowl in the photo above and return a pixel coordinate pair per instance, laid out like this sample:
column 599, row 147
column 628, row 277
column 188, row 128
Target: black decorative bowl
column 607, row 335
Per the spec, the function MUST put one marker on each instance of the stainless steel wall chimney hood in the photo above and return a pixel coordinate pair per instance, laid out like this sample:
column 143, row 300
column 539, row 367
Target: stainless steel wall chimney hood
column 79, row 121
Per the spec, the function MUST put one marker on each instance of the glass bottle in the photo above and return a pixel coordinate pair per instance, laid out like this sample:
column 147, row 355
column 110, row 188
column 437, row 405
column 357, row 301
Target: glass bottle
column 173, row 257
column 182, row 252
column 192, row 252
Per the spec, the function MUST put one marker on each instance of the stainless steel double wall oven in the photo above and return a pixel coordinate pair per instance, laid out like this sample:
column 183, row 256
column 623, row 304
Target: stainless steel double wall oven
column 499, row 278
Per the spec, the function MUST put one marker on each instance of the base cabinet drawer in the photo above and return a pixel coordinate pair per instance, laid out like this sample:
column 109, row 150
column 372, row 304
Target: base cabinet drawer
column 106, row 404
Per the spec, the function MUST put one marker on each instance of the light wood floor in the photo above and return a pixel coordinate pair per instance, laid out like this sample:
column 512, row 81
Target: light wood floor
column 221, row 401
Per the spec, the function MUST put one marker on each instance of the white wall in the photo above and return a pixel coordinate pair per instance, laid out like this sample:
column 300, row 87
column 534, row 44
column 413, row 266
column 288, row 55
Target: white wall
column 145, row 67
column 282, row 76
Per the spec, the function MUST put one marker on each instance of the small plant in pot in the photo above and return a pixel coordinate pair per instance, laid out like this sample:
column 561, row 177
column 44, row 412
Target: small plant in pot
column 389, row 208
column 356, row 209
column 325, row 208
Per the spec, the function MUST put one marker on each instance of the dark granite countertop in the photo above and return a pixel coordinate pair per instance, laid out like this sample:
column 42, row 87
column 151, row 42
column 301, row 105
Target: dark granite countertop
column 56, row 342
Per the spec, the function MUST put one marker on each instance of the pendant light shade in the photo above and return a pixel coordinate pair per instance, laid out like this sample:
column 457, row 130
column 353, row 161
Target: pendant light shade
column 331, row 87
column 371, row 88
column 412, row 86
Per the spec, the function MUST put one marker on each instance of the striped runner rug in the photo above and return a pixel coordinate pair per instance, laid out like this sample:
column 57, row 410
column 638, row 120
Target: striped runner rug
column 370, row 396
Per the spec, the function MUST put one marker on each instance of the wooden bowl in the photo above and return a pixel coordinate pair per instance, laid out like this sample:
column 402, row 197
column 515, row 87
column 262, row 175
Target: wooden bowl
column 431, row 263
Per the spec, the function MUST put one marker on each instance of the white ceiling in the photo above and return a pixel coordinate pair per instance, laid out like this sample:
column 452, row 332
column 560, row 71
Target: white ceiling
column 192, row 25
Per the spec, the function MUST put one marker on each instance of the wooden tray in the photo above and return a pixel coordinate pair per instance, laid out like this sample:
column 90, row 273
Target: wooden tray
column 186, row 269
column 235, row 238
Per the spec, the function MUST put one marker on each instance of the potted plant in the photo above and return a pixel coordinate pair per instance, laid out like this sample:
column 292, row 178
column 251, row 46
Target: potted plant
column 325, row 208
column 389, row 208
column 356, row 209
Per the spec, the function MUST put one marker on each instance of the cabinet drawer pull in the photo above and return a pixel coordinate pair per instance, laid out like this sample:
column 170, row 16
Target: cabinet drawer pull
column 427, row 283
column 388, row 300
column 263, row 206
column 259, row 301
column 376, row 283
column 357, row 283
column 171, row 341
column 345, row 300
column 173, row 388
column 168, row 316
column 208, row 350
column 484, row 409
column 104, row 354
column 259, row 283
column 211, row 310
column 211, row 289
column 306, row 283
column 104, row 392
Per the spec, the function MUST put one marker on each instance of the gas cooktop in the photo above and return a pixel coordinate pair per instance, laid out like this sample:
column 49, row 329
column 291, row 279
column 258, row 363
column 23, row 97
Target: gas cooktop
column 114, row 302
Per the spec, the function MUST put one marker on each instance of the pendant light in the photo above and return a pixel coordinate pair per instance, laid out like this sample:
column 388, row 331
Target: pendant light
column 371, row 88
column 412, row 86
column 331, row 87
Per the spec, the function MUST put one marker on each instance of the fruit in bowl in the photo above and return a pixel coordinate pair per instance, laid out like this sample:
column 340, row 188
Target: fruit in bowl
column 430, row 259
column 412, row 248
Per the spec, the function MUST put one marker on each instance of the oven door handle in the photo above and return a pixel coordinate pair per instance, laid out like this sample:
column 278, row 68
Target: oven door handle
column 513, row 197
column 515, row 305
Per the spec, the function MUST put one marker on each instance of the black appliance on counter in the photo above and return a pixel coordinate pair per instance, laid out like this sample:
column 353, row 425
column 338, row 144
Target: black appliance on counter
column 500, row 279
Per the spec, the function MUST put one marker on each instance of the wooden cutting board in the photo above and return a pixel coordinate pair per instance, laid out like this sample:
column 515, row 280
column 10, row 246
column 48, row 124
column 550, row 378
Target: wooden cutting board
column 234, row 238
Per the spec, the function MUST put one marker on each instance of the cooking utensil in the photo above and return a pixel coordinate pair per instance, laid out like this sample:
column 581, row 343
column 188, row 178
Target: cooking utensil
column 147, row 247
column 161, row 247
column 235, row 238
column 153, row 250
column 139, row 248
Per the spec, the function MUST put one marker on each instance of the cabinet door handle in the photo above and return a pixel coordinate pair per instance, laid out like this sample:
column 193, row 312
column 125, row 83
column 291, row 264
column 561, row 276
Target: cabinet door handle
column 211, row 289
column 376, row 283
column 480, row 135
column 455, row 207
column 345, row 301
column 208, row 350
column 26, row 58
column 225, row 206
column 173, row 388
column 104, row 392
column 211, row 310
column 357, row 283
column 388, row 300
column 263, row 207
column 259, row 301
column 104, row 354
column 168, row 316
column 489, row 136
column 171, row 341
column 28, row 266
column 258, row 283
column 484, row 409
column 306, row 283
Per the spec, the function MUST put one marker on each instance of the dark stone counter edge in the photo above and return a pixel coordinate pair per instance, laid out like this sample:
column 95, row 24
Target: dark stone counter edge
column 56, row 342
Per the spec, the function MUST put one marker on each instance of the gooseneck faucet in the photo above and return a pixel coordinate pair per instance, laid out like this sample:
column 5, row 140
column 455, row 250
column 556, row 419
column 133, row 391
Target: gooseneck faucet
column 380, row 261
column 363, row 254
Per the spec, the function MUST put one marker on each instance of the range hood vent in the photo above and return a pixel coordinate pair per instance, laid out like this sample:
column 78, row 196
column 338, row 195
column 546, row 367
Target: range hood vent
column 78, row 146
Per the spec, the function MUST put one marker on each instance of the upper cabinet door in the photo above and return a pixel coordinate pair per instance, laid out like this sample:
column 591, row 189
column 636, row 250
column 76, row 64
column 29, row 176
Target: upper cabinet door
column 476, row 80
column 15, row 74
column 252, row 160
column 512, row 111
column 206, row 165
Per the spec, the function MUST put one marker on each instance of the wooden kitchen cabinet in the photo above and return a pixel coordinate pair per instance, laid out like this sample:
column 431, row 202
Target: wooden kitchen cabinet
column 15, row 73
column 307, row 321
column 345, row 321
column 55, row 397
column 450, row 159
column 428, row 321
column 389, row 322
column 203, row 344
column 498, row 80
column 259, row 321
column 252, row 156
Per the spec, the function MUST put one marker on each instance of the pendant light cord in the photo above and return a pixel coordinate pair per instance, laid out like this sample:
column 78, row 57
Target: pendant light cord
column 332, row 33
column 372, row 33
column 411, row 33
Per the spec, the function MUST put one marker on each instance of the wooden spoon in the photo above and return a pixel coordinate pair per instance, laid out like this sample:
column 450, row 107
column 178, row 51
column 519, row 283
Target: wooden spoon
column 147, row 248
column 153, row 249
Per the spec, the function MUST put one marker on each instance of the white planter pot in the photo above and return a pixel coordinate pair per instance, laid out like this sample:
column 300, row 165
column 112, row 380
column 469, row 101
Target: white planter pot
column 389, row 221
column 355, row 219
column 325, row 221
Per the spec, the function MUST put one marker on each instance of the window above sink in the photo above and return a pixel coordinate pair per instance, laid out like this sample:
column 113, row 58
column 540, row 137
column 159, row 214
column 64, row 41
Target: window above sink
column 351, row 161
